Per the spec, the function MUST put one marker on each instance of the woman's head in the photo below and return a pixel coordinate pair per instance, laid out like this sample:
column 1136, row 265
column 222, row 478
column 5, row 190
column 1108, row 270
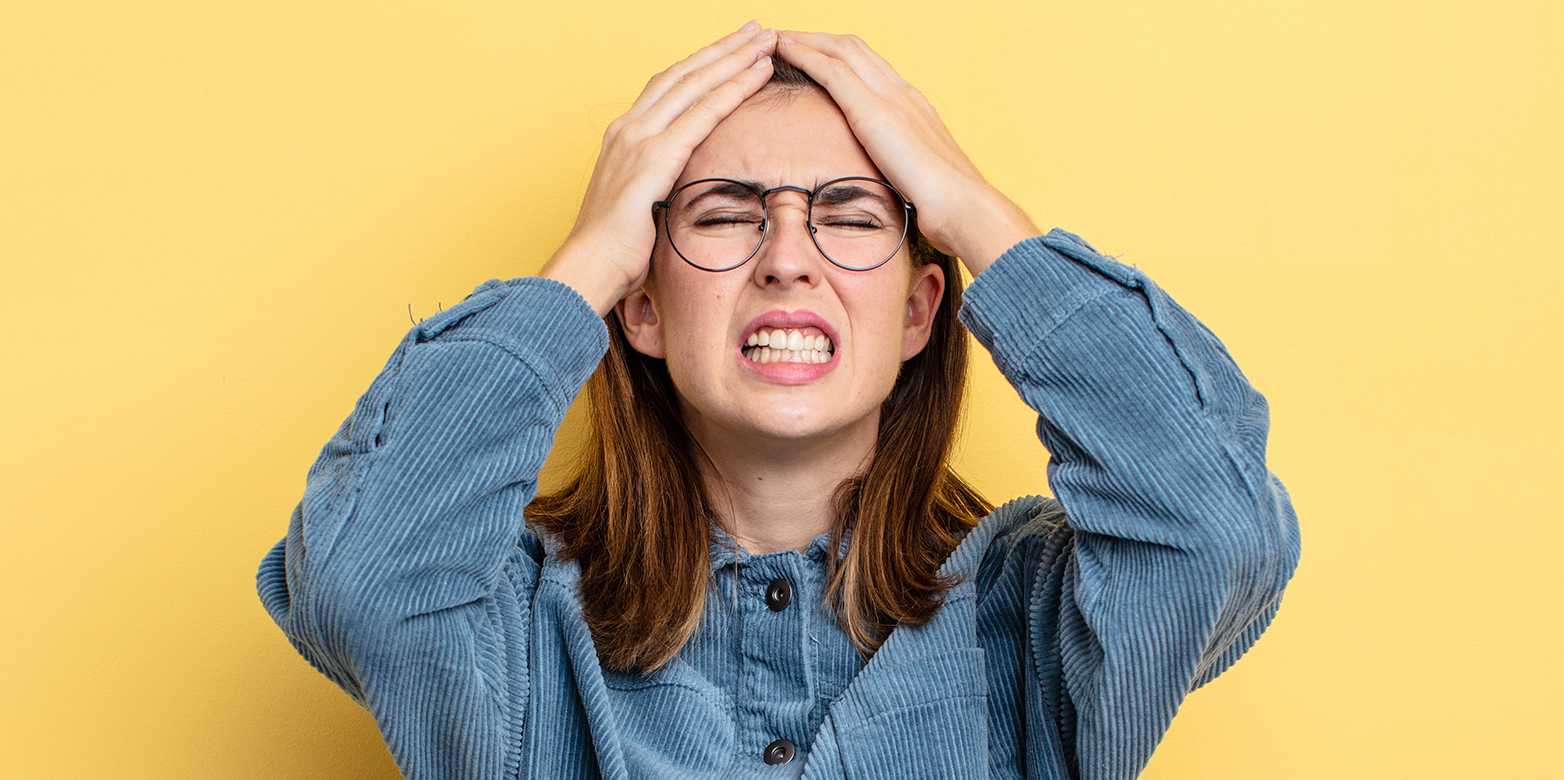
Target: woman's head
column 695, row 320
column 637, row 511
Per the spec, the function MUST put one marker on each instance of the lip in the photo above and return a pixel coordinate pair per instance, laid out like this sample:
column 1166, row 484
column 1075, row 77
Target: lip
column 790, row 373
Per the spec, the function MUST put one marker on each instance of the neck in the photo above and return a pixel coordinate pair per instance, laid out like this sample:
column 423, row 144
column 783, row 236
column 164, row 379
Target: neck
column 774, row 494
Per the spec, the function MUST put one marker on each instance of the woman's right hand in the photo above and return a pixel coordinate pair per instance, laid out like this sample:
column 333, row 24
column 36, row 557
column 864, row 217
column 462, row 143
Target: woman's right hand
column 644, row 152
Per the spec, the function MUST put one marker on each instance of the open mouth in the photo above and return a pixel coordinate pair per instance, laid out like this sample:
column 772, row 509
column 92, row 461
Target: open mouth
column 808, row 345
column 788, row 356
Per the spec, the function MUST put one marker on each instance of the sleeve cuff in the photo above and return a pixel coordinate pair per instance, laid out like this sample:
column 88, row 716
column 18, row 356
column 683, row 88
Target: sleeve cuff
column 544, row 322
column 1033, row 287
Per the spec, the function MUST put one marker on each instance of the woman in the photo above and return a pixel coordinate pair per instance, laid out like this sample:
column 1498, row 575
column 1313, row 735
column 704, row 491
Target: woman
column 763, row 557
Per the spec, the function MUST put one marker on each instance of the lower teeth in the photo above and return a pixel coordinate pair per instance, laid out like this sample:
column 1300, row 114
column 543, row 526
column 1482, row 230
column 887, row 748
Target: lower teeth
column 754, row 355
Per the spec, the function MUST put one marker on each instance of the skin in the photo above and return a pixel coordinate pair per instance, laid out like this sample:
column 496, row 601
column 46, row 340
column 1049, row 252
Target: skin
column 778, row 448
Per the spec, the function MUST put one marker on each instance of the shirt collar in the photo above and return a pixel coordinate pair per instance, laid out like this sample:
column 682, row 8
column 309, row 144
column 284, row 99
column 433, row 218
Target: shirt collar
column 725, row 550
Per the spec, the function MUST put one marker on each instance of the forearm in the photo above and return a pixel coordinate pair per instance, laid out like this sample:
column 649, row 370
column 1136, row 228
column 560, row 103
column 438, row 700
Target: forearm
column 1178, row 541
column 1130, row 385
column 414, row 502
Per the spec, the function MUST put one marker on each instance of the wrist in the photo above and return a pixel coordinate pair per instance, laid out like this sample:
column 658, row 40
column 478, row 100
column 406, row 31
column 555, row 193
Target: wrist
column 995, row 225
column 576, row 268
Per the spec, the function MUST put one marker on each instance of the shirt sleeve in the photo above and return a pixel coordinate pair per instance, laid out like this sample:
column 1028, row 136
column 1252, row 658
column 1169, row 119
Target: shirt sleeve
column 1178, row 541
column 406, row 572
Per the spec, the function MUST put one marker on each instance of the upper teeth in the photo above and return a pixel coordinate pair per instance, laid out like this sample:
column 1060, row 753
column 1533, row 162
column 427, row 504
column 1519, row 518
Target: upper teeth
column 810, row 338
column 803, row 345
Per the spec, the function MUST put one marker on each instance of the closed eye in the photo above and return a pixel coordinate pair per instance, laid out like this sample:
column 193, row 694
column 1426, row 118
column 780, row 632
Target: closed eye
column 705, row 222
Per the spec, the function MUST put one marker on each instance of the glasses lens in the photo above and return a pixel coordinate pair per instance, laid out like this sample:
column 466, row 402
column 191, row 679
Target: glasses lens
column 716, row 225
column 859, row 223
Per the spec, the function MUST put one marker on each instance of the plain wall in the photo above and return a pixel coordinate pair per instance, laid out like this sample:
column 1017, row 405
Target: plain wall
column 216, row 221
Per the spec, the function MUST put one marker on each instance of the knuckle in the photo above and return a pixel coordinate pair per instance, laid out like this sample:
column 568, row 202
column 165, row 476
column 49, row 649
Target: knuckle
column 632, row 131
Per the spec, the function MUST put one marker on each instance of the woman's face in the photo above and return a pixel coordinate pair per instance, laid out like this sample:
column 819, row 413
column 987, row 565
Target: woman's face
column 696, row 320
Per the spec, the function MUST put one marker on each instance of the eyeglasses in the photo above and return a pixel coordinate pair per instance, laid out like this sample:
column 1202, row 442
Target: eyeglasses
column 716, row 224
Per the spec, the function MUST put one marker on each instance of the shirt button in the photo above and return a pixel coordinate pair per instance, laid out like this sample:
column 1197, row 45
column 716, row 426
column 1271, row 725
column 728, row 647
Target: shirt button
column 778, row 752
column 778, row 595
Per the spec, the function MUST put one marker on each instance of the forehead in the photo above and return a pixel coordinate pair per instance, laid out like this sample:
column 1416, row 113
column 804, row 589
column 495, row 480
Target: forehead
column 803, row 139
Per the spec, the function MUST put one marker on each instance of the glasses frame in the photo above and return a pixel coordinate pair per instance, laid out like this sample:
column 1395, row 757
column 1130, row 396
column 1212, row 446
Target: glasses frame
column 765, row 220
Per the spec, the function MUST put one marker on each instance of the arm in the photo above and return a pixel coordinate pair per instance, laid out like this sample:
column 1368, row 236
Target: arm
column 1178, row 540
column 406, row 572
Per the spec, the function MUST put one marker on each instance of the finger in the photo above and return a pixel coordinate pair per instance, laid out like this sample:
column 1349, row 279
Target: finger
column 851, row 49
column 837, row 76
column 694, row 125
column 698, row 83
column 666, row 79
column 849, row 90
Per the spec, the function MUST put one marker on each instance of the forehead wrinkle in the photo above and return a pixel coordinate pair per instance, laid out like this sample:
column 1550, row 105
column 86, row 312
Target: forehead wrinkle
column 760, row 185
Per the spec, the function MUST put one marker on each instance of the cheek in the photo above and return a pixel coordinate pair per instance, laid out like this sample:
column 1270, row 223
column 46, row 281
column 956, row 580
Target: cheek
column 881, row 366
column 880, row 320
column 696, row 351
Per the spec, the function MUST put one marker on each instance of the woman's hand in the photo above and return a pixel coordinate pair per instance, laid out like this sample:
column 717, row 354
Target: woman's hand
column 609, row 249
column 959, row 212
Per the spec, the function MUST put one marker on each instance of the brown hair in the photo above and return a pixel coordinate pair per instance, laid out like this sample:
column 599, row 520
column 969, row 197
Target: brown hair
column 636, row 517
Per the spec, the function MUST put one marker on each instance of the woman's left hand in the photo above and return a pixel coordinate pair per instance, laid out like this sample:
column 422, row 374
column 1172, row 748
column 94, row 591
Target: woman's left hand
column 959, row 212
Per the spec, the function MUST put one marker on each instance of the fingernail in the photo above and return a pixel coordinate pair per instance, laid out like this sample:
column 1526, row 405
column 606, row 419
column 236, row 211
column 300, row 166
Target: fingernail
column 750, row 26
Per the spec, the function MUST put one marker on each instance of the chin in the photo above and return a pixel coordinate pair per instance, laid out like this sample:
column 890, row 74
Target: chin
column 805, row 425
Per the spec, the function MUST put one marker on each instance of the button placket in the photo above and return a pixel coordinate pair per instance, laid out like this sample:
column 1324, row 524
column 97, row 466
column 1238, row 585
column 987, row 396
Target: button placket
column 774, row 692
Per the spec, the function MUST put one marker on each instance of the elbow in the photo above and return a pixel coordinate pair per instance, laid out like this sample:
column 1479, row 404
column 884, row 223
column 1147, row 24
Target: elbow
column 351, row 607
column 345, row 618
column 1261, row 552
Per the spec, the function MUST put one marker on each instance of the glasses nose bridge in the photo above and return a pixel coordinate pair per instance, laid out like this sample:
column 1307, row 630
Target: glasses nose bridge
column 769, row 226
column 765, row 195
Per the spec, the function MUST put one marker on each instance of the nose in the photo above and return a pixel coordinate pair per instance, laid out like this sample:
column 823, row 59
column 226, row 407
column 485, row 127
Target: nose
column 788, row 254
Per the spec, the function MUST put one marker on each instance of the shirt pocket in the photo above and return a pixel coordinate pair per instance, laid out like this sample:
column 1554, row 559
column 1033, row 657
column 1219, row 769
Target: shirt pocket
column 933, row 725
column 672, row 720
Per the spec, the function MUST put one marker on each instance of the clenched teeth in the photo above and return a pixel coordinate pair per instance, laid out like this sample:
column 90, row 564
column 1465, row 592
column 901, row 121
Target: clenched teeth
column 797, row 340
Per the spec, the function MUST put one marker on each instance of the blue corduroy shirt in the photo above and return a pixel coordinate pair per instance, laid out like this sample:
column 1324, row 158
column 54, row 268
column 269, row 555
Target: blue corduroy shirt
column 409, row 579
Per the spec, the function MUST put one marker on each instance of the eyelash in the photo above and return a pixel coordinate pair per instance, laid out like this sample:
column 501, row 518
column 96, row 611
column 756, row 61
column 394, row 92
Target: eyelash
column 705, row 222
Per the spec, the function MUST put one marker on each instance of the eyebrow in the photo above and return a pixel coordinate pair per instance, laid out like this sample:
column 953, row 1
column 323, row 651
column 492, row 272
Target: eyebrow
column 841, row 193
column 725, row 188
column 846, row 193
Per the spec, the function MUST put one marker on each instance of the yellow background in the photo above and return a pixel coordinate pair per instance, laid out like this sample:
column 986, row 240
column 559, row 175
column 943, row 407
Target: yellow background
column 216, row 219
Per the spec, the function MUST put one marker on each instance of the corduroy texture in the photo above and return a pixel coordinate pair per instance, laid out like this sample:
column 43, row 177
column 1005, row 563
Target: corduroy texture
column 408, row 579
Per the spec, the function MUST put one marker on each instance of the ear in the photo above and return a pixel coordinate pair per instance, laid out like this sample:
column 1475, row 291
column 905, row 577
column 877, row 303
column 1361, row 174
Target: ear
column 637, row 314
column 923, row 298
